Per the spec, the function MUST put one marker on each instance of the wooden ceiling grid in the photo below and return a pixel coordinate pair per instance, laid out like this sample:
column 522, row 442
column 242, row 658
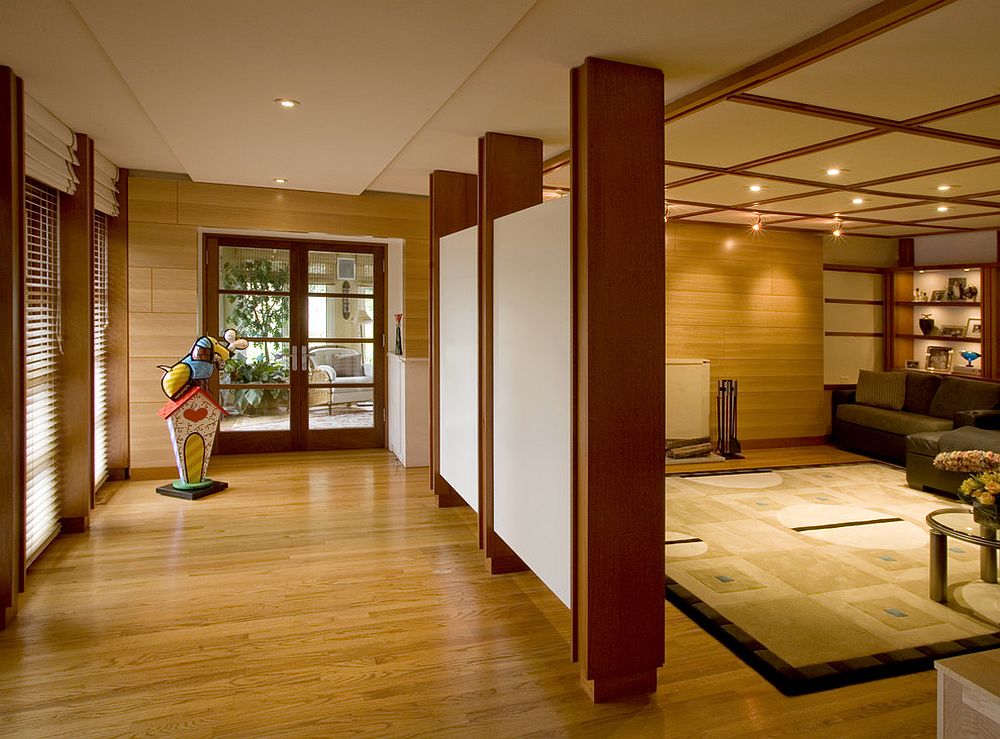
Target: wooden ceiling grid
column 947, row 146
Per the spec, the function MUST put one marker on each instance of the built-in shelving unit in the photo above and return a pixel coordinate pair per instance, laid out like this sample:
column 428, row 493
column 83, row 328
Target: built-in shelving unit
column 959, row 319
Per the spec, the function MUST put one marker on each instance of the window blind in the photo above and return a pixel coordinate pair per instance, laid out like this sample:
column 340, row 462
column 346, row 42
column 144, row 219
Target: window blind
column 42, row 333
column 105, row 185
column 100, row 349
column 49, row 148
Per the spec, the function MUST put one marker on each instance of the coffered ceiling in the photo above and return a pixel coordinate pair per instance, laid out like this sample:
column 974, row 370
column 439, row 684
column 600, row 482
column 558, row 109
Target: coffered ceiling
column 901, row 95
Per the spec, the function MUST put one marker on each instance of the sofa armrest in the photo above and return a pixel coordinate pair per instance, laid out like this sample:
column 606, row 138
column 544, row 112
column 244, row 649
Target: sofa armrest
column 330, row 372
column 986, row 419
column 841, row 396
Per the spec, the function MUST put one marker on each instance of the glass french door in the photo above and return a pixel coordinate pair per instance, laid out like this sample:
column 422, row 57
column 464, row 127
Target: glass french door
column 312, row 376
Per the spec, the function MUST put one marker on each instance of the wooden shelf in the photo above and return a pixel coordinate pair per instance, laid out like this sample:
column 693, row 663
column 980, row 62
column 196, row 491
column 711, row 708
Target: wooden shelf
column 938, row 337
column 942, row 303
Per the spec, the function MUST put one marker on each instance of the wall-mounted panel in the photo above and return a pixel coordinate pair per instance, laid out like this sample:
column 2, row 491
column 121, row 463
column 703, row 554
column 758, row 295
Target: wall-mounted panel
column 459, row 329
column 845, row 355
column 956, row 248
column 532, row 389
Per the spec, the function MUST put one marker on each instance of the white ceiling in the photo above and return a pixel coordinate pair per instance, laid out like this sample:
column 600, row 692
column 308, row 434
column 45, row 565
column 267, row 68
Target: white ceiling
column 392, row 89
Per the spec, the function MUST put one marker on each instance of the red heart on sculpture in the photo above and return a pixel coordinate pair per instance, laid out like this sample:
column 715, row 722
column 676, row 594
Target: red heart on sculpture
column 196, row 414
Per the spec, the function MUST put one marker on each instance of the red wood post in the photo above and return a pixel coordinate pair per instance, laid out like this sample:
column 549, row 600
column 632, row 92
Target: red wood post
column 618, row 250
column 510, row 179
column 453, row 208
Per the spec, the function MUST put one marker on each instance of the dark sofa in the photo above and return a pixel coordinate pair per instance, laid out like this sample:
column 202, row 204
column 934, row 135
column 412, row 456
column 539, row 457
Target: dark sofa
column 932, row 403
column 922, row 448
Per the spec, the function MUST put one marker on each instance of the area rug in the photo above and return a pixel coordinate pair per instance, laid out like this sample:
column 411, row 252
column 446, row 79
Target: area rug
column 817, row 577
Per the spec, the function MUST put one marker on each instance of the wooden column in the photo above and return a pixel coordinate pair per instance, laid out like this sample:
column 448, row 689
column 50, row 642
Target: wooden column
column 453, row 209
column 11, row 346
column 618, row 250
column 510, row 179
column 117, row 335
column 76, row 252
column 989, row 296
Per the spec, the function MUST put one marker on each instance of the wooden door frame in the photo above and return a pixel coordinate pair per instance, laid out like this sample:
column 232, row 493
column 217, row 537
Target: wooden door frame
column 299, row 437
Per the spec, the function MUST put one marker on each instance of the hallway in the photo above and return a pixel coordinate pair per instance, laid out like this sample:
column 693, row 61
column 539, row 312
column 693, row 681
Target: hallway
column 324, row 594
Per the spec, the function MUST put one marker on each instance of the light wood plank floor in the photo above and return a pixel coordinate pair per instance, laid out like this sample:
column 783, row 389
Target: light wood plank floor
column 326, row 595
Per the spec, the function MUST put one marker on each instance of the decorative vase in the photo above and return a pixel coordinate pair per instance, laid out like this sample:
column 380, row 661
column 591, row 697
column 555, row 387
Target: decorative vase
column 926, row 324
column 986, row 515
column 970, row 356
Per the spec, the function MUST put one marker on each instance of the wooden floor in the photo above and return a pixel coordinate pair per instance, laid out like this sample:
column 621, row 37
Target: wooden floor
column 326, row 595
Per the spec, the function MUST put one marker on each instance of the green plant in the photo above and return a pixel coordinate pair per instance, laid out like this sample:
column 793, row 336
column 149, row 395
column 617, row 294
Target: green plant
column 261, row 371
column 261, row 316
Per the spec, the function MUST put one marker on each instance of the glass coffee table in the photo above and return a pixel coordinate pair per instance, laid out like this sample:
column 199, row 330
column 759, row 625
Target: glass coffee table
column 957, row 523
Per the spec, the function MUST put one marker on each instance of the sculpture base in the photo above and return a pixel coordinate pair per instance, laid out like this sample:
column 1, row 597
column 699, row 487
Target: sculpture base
column 189, row 491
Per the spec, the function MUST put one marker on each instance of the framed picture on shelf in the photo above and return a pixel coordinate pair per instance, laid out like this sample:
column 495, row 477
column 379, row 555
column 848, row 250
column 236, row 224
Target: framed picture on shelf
column 956, row 288
column 938, row 358
column 912, row 364
column 938, row 296
column 952, row 330
column 974, row 328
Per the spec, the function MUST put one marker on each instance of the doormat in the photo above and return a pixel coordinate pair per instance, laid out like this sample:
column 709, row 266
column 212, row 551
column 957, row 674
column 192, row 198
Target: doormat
column 817, row 577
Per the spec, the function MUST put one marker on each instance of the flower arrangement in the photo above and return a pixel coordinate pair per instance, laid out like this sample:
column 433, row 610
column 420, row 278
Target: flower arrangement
column 983, row 483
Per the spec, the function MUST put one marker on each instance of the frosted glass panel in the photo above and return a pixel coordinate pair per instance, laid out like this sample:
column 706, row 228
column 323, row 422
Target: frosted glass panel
column 843, row 356
column 532, row 380
column 852, row 285
column 459, row 331
column 849, row 317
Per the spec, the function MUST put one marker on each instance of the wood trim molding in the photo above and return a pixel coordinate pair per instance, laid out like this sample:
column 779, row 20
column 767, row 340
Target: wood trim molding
column 777, row 443
column 510, row 179
column 11, row 346
column 452, row 208
column 861, row 119
column 617, row 239
column 76, row 222
column 990, row 282
column 867, row 24
column 117, row 333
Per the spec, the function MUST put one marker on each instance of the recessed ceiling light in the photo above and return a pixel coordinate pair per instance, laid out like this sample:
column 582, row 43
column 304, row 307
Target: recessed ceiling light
column 833, row 171
column 756, row 225
column 287, row 102
column 755, row 188
column 858, row 201
column 836, row 215
column 280, row 180
column 944, row 188
column 942, row 208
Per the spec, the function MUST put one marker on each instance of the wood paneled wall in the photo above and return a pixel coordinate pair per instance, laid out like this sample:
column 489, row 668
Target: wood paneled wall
column 753, row 305
column 164, row 217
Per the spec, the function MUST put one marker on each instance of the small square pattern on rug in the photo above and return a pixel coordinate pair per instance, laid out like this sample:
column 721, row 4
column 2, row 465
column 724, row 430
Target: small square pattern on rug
column 818, row 576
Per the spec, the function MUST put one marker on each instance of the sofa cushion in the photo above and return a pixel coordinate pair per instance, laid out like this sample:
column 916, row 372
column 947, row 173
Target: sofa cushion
column 927, row 443
column 881, row 389
column 956, row 394
column 893, row 422
column 920, row 389
column 970, row 437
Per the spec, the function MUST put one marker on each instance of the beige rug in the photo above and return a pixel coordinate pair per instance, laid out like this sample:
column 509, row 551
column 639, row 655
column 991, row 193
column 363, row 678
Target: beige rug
column 819, row 576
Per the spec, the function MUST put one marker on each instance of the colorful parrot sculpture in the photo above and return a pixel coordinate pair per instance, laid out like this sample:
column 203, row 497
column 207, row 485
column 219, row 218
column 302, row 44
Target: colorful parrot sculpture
column 197, row 367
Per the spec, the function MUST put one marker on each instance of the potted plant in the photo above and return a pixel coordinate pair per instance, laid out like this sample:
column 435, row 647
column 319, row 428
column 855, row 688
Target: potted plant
column 982, row 487
column 259, row 371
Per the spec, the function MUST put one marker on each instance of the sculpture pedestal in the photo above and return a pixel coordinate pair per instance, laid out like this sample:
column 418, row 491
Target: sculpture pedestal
column 193, row 493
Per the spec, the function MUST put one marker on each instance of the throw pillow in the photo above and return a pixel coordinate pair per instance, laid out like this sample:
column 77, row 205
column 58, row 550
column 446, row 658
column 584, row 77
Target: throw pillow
column 957, row 394
column 881, row 389
column 920, row 389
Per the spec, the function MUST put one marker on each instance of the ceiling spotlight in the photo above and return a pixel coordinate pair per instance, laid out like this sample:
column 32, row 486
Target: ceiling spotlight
column 755, row 188
column 833, row 171
column 287, row 102
column 944, row 188
column 756, row 225
column 838, row 230
column 280, row 180
column 858, row 201
column 942, row 209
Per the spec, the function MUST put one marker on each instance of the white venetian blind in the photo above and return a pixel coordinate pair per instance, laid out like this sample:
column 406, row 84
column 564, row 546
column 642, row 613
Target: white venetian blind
column 105, row 185
column 42, row 346
column 100, row 349
column 49, row 148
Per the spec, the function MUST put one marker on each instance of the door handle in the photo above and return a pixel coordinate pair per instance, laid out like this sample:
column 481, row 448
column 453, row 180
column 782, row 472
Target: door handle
column 305, row 357
column 295, row 356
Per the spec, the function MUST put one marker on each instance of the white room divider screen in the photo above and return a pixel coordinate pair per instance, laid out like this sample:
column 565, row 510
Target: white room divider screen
column 532, row 389
column 459, row 335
